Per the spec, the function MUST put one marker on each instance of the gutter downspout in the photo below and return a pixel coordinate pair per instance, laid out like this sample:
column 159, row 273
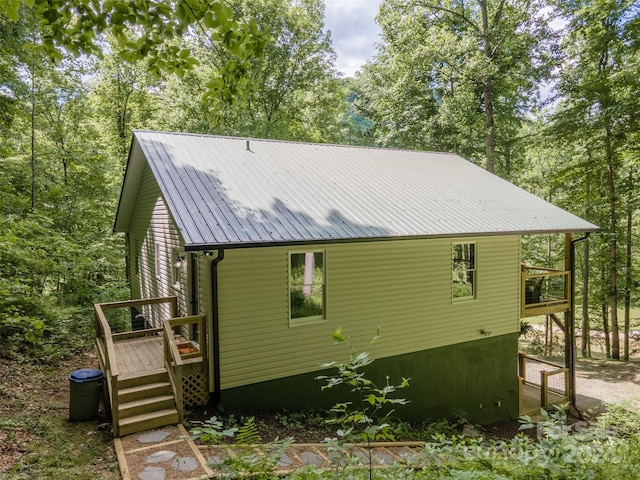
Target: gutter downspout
column 215, row 323
column 572, row 346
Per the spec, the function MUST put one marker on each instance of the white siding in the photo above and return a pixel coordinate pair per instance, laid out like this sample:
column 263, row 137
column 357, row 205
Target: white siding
column 404, row 287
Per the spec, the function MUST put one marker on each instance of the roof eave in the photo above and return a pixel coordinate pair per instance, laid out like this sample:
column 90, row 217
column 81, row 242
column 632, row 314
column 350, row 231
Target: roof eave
column 324, row 241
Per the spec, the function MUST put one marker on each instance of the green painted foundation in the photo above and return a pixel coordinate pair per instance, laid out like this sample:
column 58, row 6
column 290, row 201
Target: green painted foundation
column 476, row 380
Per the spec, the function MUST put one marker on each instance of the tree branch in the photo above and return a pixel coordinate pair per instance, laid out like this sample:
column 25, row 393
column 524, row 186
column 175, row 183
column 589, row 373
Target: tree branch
column 453, row 13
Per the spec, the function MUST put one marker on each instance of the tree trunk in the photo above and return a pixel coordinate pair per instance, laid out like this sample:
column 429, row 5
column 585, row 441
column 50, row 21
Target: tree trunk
column 605, row 319
column 613, row 248
column 586, row 327
column 309, row 267
column 628, row 278
column 33, row 138
column 489, row 120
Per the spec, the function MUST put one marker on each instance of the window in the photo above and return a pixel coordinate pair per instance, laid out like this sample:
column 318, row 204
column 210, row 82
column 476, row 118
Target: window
column 156, row 257
column 306, row 287
column 464, row 271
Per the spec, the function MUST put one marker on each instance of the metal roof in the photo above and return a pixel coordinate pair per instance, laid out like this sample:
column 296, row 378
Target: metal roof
column 233, row 192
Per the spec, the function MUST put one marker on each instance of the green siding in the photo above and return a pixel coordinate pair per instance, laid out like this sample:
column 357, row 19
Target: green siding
column 475, row 380
column 404, row 287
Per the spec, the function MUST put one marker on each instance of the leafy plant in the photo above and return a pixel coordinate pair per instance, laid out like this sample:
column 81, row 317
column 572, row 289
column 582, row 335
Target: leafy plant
column 212, row 431
column 248, row 433
column 368, row 420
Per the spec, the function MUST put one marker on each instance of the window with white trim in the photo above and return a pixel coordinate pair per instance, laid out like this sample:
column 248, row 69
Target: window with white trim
column 307, row 289
column 464, row 286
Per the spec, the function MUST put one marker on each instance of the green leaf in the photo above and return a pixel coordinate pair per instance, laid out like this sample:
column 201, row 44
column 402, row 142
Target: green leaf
column 12, row 9
column 337, row 335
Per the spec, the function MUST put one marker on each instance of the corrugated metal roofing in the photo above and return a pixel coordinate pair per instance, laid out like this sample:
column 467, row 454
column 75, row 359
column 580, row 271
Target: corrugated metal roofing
column 224, row 191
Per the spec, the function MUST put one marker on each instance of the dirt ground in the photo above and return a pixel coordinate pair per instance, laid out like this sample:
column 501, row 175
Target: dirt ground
column 607, row 381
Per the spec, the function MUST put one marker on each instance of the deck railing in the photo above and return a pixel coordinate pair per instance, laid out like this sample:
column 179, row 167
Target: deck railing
column 552, row 379
column 544, row 291
column 105, row 340
column 180, row 353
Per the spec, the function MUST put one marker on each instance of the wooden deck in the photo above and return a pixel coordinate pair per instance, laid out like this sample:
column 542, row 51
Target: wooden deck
column 139, row 355
column 531, row 403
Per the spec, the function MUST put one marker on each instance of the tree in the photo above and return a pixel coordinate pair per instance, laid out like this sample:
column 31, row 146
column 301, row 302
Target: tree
column 144, row 30
column 598, row 73
column 296, row 94
column 465, row 70
column 123, row 97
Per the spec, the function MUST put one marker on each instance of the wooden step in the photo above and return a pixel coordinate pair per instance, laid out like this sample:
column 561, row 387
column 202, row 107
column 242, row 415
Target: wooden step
column 133, row 380
column 146, row 405
column 147, row 390
column 147, row 421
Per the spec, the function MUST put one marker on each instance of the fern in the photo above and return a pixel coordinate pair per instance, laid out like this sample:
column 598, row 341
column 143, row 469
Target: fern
column 248, row 433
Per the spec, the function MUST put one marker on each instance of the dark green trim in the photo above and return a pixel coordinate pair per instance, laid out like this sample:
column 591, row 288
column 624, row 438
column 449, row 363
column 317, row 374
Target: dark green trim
column 297, row 243
column 215, row 323
column 476, row 380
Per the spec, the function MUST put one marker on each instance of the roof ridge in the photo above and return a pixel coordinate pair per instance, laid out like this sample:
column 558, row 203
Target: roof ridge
column 291, row 142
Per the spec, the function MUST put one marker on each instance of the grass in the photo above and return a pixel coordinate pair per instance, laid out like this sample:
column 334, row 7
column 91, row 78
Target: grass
column 37, row 441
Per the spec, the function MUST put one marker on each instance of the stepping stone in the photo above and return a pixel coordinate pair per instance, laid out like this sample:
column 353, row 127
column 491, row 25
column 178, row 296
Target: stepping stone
column 310, row 458
column 384, row 457
column 153, row 437
column 363, row 456
column 285, row 461
column 185, row 464
column 161, row 456
column 408, row 455
column 153, row 473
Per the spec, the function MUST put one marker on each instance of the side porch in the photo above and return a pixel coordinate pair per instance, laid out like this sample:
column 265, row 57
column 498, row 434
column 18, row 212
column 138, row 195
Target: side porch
column 152, row 373
column 545, row 291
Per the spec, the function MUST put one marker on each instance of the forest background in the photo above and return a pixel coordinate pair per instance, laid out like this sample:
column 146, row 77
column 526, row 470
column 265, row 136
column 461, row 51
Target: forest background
column 543, row 93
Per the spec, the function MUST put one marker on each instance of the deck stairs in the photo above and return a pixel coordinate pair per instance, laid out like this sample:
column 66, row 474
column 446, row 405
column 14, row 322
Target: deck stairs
column 145, row 401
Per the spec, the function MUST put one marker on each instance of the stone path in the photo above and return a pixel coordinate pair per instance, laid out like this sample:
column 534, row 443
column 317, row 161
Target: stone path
column 164, row 454
column 298, row 456
column 169, row 454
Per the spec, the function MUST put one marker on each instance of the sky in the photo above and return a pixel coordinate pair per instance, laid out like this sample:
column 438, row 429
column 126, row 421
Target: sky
column 354, row 32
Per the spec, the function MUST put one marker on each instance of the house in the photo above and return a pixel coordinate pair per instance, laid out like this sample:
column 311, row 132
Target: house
column 253, row 251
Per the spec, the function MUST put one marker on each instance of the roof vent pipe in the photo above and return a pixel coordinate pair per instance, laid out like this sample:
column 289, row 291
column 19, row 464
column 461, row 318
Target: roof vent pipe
column 248, row 146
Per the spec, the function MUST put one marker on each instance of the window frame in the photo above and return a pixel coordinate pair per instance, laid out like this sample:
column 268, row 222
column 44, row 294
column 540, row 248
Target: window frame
column 312, row 319
column 473, row 271
column 156, row 258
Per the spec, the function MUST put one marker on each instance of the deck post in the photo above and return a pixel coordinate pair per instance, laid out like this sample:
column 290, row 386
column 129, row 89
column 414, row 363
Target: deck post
column 544, row 388
column 569, row 315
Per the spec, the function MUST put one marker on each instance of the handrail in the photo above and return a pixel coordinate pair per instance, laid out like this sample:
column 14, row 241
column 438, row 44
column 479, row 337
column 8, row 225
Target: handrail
column 107, row 360
column 539, row 297
column 138, row 302
column 171, row 347
column 522, row 370
column 102, row 326
column 173, row 362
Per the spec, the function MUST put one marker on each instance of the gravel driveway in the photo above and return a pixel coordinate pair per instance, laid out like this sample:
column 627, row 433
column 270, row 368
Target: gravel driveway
column 608, row 381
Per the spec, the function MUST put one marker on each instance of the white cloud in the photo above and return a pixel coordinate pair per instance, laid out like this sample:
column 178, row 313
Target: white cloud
column 354, row 32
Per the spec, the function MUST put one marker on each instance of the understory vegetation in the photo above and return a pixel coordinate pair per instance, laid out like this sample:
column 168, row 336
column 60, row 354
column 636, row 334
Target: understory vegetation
column 608, row 446
column 551, row 447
